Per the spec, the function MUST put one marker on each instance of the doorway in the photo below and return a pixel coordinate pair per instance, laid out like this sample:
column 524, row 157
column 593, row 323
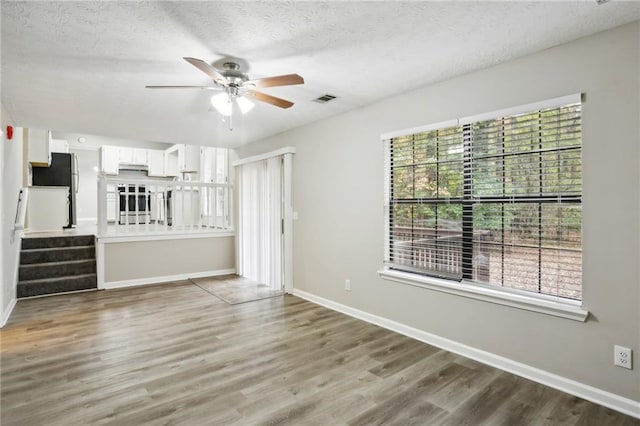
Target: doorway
column 264, row 227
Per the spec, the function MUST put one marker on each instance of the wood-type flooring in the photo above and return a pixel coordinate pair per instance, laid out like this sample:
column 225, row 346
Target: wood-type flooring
column 173, row 354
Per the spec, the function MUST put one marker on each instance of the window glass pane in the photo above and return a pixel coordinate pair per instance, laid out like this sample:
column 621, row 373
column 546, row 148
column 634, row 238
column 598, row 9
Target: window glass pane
column 562, row 172
column 522, row 174
column 402, row 182
column 402, row 216
column 425, row 181
column 488, row 177
column 561, row 273
column 450, row 180
column 402, row 151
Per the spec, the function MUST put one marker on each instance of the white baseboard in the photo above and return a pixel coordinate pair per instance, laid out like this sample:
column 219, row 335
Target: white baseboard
column 590, row 393
column 165, row 278
column 7, row 313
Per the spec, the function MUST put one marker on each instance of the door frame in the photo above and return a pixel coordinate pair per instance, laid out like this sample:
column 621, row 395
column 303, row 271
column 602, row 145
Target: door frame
column 287, row 210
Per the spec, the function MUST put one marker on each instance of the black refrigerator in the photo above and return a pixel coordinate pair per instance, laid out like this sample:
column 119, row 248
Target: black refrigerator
column 63, row 171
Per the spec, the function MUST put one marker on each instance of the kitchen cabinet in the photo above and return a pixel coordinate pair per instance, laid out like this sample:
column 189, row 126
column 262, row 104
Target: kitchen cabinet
column 38, row 147
column 182, row 158
column 179, row 158
column 172, row 161
column 109, row 159
column 135, row 156
column 59, row 145
column 155, row 158
column 191, row 159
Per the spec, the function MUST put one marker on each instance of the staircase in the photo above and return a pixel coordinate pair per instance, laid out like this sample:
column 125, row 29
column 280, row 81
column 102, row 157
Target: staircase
column 57, row 265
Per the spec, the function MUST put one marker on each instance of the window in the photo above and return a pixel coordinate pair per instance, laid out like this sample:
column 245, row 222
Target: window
column 492, row 200
column 216, row 198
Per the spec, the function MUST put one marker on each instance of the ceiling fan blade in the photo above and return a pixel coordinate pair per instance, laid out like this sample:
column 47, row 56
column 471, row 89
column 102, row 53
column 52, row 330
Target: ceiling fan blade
column 206, row 68
column 279, row 102
column 183, row 87
column 280, row 80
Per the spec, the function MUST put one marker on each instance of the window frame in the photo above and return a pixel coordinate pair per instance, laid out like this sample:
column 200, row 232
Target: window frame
column 537, row 302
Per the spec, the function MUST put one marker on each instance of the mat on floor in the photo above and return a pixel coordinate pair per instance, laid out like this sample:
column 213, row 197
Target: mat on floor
column 234, row 289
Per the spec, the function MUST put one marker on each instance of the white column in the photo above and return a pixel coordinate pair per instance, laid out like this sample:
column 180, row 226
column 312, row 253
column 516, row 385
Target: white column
column 102, row 205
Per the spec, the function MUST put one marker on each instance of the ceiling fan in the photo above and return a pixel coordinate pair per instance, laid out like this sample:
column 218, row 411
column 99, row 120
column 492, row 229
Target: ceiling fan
column 236, row 86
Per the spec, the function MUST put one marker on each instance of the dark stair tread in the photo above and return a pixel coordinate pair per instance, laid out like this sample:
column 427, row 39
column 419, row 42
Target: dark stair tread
column 59, row 285
column 58, row 254
column 57, row 263
column 48, row 249
column 62, row 241
column 57, row 279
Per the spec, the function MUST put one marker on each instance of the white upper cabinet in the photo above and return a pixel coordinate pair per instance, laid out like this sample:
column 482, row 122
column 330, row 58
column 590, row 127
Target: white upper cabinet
column 38, row 146
column 59, row 145
column 135, row 156
column 110, row 159
column 173, row 161
column 140, row 156
column 156, row 162
column 191, row 159
column 125, row 155
column 181, row 158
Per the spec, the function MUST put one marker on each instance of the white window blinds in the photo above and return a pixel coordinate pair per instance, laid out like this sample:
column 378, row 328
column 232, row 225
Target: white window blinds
column 495, row 200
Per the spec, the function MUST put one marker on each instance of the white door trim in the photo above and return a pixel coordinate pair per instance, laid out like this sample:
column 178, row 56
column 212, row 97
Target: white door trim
column 287, row 214
column 288, row 222
column 260, row 157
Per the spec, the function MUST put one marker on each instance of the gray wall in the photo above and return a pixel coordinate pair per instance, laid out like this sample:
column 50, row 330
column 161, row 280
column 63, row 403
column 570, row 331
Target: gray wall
column 11, row 164
column 150, row 259
column 338, row 193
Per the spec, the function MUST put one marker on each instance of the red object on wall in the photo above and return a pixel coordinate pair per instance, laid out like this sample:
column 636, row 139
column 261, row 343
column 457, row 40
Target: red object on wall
column 9, row 132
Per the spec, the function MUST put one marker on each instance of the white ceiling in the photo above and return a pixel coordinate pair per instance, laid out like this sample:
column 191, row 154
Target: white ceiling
column 82, row 66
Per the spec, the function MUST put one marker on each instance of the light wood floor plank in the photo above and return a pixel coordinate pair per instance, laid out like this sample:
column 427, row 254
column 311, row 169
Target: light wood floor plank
column 173, row 354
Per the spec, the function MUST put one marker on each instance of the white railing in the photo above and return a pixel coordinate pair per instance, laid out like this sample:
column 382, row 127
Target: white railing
column 158, row 205
column 21, row 213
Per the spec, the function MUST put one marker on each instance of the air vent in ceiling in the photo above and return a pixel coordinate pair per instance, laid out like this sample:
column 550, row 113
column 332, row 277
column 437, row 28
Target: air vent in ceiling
column 324, row 98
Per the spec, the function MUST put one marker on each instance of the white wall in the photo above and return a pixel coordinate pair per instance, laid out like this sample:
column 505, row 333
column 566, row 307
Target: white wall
column 338, row 193
column 3, row 119
column 11, row 163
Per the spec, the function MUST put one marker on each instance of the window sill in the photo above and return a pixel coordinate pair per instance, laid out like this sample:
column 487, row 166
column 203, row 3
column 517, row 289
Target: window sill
column 549, row 305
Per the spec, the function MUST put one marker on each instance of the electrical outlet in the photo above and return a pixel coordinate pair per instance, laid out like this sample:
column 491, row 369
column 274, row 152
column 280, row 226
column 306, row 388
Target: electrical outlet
column 347, row 285
column 622, row 357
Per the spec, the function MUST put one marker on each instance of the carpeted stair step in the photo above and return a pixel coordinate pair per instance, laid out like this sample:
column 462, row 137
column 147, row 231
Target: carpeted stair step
column 56, row 254
column 39, row 287
column 56, row 269
column 49, row 242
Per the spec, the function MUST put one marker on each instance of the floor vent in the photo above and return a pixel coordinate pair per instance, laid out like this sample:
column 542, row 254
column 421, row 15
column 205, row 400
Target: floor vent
column 324, row 98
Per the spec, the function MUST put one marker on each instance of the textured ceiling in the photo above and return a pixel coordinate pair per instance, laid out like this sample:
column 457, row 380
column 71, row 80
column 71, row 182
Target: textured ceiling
column 82, row 66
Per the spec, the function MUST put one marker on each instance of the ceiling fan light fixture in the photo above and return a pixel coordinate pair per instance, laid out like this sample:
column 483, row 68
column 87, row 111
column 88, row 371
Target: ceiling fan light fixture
column 245, row 105
column 222, row 103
